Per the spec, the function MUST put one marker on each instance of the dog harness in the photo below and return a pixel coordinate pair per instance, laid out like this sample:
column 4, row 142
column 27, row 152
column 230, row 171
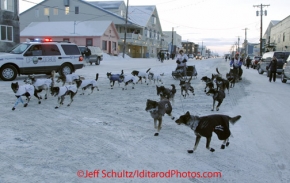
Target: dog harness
column 193, row 124
column 87, row 82
column 25, row 88
column 40, row 82
column 64, row 89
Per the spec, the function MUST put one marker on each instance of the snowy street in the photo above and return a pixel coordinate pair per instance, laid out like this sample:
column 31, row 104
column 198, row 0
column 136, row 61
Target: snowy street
column 110, row 130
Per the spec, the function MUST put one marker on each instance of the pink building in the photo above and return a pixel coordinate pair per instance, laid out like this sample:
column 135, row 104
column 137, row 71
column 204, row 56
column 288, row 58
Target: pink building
column 83, row 33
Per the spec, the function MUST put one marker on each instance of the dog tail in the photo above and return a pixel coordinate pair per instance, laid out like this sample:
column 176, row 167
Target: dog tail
column 173, row 86
column 148, row 70
column 97, row 76
column 122, row 72
column 233, row 120
column 217, row 70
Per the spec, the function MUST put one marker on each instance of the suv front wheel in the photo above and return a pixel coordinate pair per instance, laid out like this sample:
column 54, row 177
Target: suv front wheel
column 98, row 61
column 260, row 71
column 8, row 73
column 66, row 69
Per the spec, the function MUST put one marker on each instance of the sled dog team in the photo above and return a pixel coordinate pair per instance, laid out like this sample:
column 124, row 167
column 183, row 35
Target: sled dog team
column 203, row 126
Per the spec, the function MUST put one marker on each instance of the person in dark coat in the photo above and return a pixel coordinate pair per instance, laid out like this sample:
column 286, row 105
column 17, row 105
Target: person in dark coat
column 248, row 62
column 272, row 69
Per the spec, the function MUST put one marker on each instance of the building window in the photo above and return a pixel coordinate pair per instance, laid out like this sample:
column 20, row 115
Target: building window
column 104, row 45
column 121, row 13
column 114, row 46
column 36, row 13
column 284, row 37
column 7, row 5
column 89, row 42
column 6, row 33
column 76, row 10
column 46, row 11
column 55, row 11
column 66, row 10
column 153, row 20
column 66, row 39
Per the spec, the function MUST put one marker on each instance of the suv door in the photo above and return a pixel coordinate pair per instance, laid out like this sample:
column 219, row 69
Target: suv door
column 51, row 57
column 34, row 63
column 287, row 68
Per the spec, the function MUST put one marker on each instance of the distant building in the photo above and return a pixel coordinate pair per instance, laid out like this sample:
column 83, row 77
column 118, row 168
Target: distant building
column 9, row 22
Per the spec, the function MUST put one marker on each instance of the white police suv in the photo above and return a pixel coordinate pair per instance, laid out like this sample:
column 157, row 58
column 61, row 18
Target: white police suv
column 40, row 57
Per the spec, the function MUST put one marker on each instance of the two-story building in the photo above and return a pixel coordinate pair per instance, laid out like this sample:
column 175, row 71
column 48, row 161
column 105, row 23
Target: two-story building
column 9, row 25
column 142, row 27
column 280, row 35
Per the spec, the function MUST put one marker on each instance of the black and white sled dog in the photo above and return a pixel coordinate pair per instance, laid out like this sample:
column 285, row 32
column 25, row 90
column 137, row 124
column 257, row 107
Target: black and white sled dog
column 141, row 75
column 221, row 83
column 114, row 78
column 129, row 79
column 204, row 126
column 217, row 95
column 41, row 84
column 232, row 77
column 208, row 82
column 157, row 111
column 166, row 92
column 26, row 90
column 87, row 83
column 185, row 86
column 155, row 77
column 69, row 78
column 62, row 91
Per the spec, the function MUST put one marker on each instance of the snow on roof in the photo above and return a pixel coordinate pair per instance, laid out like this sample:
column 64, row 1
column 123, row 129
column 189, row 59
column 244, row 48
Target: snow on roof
column 107, row 4
column 140, row 14
column 66, row 28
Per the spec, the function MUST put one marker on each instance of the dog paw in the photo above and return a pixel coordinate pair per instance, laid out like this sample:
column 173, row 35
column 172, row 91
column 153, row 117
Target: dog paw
column 56, row 107
column 156, row 134
column 227, row 144
column 217, row 109
column 39, row 102
column 212, row 110
column 68, row 105
column 212, row 150
column 173, row 118
column 190, row 151
column 25, row 105
column 13, row 108
column 223, row 146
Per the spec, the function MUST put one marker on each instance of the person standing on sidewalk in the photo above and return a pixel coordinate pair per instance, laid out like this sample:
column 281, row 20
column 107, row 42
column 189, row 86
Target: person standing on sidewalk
column 272, row 69
column 248, row 62
column 87, row 54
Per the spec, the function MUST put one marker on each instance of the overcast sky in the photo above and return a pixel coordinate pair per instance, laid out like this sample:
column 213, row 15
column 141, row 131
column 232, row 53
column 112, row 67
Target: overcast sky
column 215, row 23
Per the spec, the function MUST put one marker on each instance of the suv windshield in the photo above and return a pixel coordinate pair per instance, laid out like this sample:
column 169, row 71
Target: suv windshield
column 20, row 48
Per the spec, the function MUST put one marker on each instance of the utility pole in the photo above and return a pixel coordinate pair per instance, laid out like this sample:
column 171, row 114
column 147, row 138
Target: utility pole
column 124, row 46
column 238, row 44
column 201, row 48
column 246, row 41
column 172, row 44
column 261, row 29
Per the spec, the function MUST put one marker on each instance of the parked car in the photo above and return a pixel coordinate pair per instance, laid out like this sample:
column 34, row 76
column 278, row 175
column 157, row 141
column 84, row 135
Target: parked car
column 286, row 71
column 190, row 56
column 40, row 57
column 267, row 57
column 198, row 57
column 255, row 61
column 96, row 54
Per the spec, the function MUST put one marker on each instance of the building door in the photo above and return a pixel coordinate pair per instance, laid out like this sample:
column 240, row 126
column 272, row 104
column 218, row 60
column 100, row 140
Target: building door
column 110, row 47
